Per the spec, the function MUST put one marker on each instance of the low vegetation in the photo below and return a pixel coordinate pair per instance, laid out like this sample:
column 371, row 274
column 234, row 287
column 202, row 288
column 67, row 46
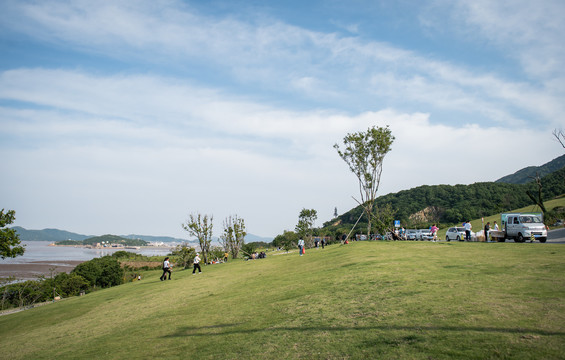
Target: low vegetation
column 98, row 273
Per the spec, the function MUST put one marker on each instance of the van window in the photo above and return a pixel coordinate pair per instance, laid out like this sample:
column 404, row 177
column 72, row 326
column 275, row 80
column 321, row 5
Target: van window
column 527, row 219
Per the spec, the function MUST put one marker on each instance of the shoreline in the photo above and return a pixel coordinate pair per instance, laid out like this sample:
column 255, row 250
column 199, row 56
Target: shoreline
column 34, row 269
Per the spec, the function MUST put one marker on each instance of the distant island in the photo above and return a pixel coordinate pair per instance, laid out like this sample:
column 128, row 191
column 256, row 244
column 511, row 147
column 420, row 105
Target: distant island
column 104, row 241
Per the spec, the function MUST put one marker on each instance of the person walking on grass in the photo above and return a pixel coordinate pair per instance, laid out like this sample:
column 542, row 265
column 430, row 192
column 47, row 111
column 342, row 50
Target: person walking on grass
column 301, row 246
column 166, row 269
column 196, row 264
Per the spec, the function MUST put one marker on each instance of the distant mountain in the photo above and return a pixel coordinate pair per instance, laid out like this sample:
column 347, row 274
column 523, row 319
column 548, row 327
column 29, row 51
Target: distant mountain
column 55, row 235
column 52, row 235
column 254, row 238
column 526, row 174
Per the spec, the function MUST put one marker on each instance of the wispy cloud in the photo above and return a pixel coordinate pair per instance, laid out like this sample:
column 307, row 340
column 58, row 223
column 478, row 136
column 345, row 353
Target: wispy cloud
column 328, row 68
column 221, row 114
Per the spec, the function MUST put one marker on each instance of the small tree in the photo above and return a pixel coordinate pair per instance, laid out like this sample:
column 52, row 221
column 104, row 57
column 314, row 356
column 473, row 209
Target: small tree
column 184, row 254
column 201, row 227
column 306, row 220
column 9, row 239
column 364, row 153
column 384, row 216
column 288, row 240
column 234, row 234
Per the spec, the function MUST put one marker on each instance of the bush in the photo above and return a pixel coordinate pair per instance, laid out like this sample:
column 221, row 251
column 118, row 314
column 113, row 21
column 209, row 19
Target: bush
column 102, row 272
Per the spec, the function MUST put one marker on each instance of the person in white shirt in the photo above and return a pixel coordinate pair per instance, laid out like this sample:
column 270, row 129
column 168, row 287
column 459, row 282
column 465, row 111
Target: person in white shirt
column 301, row 246
column 196, row 264
column 166, row 269
column 468, row 228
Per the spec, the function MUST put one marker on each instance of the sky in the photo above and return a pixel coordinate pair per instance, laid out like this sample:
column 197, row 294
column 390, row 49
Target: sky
column 125, row 117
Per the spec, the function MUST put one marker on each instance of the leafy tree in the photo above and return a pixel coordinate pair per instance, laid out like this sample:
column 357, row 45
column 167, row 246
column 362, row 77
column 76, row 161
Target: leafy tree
column 287, row 240
column 184, row 255
column 201, row 227
column 306, row 220
column 234, row 234
column 364, row 153
column 102, row 272
column 9, row 239
column 249, row 248
column 384, row 216
column 216, row 252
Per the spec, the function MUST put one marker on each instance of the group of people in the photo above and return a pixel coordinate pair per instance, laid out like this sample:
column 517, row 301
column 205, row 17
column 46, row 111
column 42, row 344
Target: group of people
column 167, row 266
column 257, row 255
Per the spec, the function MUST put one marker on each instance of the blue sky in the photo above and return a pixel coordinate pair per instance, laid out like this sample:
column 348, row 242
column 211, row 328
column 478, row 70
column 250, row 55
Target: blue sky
column 127, row 116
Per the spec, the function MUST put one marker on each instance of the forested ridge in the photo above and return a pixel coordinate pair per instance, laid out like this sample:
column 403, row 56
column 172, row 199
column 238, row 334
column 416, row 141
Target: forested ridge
column 452, row 204
column 525, row 175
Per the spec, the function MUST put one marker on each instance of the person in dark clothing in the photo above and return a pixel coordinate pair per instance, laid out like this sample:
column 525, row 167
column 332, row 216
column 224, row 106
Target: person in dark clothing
column 166, row 269
column 196, row 264
column 487, row 229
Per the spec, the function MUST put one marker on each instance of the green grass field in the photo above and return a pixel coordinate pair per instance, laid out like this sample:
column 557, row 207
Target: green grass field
column 376, row 300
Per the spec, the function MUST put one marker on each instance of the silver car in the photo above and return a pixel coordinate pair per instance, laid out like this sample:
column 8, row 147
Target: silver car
column 412, row 234
column 426, row 234
column 455, row 233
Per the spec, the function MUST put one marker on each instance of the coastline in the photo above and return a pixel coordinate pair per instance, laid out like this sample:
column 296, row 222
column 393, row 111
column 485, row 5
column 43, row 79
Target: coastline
column 34, row 269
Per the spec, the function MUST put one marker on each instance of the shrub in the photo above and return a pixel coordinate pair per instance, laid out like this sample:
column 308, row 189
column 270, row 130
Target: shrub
column 102, row 272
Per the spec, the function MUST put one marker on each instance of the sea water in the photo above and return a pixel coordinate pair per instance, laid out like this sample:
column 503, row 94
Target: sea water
column 41, row 251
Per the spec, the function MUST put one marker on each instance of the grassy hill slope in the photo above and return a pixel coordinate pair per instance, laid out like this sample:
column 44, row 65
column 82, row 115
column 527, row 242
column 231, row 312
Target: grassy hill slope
column 411, row 300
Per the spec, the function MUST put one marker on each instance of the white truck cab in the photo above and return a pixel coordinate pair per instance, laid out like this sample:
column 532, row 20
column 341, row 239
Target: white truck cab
column 524, row 226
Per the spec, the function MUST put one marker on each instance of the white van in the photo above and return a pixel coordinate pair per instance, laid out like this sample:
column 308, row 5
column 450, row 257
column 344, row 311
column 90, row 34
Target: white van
column 524, row 226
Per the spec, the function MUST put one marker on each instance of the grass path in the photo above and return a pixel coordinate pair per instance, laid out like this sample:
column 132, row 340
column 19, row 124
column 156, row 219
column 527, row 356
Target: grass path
column 407, row 300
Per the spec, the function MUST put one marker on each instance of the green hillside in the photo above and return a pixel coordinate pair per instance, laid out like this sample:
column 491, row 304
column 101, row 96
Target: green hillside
column 453, row 204
column 365, row 300
column 526, row 175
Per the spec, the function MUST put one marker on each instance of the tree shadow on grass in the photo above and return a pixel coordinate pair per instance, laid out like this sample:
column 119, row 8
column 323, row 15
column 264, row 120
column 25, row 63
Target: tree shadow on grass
column 231, row 329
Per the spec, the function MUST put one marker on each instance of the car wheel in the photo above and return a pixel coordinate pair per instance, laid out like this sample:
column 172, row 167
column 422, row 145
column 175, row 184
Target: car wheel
column 520, row 238
column 447, row 238
column 458, row 238
column 542, row 240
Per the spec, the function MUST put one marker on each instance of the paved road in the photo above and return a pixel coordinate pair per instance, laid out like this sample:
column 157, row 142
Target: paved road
column 556, row 236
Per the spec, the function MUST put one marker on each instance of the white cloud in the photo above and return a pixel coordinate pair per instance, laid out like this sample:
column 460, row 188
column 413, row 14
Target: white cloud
column 132, row 151
column 147, row 175
column 298, row 62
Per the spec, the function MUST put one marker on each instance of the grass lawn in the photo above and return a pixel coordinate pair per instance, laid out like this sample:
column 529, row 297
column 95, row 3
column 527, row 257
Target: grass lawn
column 376, row 300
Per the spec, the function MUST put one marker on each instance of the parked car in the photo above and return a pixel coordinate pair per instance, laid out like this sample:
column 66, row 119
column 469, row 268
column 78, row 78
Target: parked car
column 426, row 234
column 455, row 233
column 412, row 234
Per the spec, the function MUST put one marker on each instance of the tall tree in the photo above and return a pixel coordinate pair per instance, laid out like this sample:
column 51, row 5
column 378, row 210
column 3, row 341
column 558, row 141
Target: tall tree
column 364, row 153
column 9, row 239
column 234, row 234
column 537, row 198
column 306, row 220
column 201, row 227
